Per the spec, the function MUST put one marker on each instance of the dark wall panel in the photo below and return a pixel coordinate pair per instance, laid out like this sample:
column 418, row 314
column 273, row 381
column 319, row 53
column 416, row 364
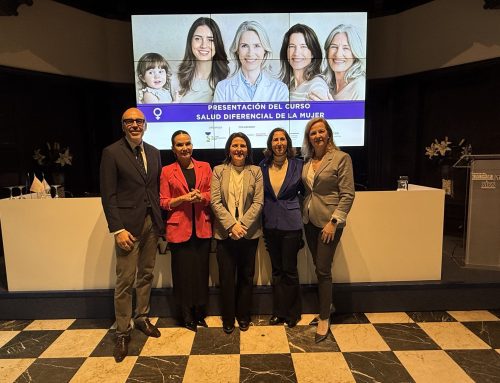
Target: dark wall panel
column 404, row 115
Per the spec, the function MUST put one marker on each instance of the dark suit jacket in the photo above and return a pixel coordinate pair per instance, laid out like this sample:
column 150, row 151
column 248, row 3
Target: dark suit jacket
column 125, row 190
column 282, row 211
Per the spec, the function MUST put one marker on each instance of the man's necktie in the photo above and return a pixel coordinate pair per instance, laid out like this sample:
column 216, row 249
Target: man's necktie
column 138, row 155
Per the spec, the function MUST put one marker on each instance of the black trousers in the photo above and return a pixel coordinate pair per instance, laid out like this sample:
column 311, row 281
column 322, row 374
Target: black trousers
column 236, row 261
column 190, row 276
column 283, row 247
column 322, row 255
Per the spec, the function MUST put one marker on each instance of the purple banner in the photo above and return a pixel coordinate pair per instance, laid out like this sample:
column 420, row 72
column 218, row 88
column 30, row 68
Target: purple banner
column 253, row 111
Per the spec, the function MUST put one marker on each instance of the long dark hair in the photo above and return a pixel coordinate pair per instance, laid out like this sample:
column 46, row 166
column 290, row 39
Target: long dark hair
column 312, row 42
column 268, row 152
column 220, row 63
column 249, row 157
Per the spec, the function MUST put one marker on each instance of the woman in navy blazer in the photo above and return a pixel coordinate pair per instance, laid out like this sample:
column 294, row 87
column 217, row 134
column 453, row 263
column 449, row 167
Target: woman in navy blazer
column 185, row 195
column 282, row 221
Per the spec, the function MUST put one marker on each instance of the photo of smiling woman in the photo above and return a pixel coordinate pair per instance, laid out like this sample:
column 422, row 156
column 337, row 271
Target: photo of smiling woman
column 301, row 58
column 346, row 56
column 237, row 197
column 252, row 81
column 204, row 64
column 185, row 195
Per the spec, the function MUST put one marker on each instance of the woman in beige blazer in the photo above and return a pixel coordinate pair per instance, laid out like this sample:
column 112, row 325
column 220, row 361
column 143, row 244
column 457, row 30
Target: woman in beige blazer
column 329, row 193
column 237, row 198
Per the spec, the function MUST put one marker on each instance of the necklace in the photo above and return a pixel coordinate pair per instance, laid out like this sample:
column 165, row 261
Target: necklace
column 278, row 162
column 237, row 188
column 316, row 163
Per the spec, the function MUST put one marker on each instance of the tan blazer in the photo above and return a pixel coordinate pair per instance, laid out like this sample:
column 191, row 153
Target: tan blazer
column 253, row 194
column 332, row 192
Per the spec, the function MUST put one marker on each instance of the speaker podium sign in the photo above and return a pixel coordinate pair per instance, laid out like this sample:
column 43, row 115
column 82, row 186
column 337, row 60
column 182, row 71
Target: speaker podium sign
column 483, row 218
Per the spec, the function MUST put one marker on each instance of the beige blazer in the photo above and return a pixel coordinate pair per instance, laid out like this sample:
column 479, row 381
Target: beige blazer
column 253, row 194
column 332, row 192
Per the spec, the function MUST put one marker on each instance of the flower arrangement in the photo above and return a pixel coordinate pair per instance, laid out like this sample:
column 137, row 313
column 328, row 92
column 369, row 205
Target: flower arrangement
column 53, row 155
column 446, row 154
column 444, row 149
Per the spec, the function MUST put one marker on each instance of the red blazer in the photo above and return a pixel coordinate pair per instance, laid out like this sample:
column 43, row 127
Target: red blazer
column 179, row 225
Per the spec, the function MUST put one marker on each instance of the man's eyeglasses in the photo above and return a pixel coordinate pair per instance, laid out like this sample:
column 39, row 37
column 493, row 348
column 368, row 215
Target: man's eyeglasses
column 130, row 121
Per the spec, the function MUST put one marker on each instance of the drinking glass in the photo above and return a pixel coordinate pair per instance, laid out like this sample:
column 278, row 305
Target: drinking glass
column 10, row 190
column 21, row 187
column 55, row 188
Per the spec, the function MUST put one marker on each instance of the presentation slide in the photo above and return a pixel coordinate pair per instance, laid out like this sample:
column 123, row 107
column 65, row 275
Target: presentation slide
column 215, row 74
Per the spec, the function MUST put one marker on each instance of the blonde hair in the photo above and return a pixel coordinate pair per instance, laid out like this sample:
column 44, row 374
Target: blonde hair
column 307, row 148
column 252, row 26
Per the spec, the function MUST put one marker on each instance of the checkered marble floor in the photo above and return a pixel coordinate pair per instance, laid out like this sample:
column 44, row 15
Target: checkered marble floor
column 446, row 346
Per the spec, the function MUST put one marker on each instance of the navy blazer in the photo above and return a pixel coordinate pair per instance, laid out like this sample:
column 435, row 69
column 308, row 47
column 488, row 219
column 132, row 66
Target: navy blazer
column 282, row 211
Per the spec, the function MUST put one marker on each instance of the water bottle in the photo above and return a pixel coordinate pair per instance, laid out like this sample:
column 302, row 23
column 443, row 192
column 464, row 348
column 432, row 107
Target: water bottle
column 402, row 183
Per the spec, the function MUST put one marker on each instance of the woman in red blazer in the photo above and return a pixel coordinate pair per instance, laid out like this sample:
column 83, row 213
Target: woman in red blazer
column 185, row 195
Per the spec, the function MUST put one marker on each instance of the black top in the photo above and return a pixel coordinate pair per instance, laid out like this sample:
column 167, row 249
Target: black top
column 190, row 177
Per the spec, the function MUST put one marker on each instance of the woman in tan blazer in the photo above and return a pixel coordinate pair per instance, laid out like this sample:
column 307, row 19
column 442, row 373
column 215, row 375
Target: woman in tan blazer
column 237, row 198
column 329, row 193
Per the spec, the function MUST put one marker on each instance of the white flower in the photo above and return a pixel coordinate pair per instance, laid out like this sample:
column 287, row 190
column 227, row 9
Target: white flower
column 38, row 156
column 53, row 154
column 64, row 158
column 444, row 148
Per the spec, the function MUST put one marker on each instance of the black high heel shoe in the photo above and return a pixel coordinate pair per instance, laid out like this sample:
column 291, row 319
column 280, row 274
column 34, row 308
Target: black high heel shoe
column 319, row 337
column 314, row 322
column 228, row 328
column 190, row 325
column 275, row 320
column 201, row 322
column 292, row 322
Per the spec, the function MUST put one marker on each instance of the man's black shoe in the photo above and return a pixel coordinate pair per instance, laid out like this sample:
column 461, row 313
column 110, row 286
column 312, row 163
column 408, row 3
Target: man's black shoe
column 121, row 347
column 147, row 328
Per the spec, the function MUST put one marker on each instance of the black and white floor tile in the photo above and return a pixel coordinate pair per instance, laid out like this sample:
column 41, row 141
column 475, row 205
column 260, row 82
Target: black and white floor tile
column 452, row 346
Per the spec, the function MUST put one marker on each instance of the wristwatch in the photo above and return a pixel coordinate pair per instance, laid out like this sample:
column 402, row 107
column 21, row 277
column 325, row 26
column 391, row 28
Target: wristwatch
column 333, row 220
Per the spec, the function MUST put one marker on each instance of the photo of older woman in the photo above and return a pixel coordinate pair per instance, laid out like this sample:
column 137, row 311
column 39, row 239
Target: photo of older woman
column 346, row 56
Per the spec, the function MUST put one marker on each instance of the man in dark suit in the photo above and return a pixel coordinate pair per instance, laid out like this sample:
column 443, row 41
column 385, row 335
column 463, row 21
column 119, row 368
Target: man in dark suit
column 130, row 173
